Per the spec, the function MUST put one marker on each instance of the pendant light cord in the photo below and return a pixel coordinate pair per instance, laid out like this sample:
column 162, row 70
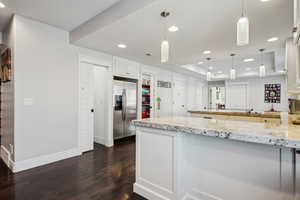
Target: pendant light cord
column 243, row 8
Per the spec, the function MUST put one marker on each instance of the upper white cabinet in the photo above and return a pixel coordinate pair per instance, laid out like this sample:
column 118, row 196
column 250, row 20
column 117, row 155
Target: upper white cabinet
column 126, row 68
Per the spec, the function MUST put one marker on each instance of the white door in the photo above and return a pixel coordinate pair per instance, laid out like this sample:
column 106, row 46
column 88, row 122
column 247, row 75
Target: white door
column 86, row 107
column 100, row 99
column 179, row 98
column 237, row 97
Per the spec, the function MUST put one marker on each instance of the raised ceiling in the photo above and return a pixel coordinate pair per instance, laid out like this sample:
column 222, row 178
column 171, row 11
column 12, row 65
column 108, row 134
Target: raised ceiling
column 64, row 14
column 203, row 25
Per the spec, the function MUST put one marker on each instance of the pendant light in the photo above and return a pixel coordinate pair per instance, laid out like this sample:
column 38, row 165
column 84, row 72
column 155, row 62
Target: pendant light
column 232, row 70
column 262, row 68
column 165, row 47
column 243, row 27
column 208, row 73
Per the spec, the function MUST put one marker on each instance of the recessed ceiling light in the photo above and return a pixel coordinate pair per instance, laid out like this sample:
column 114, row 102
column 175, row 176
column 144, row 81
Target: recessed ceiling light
column 249, row 60
column 206, row 52
column 200, row 63
column 265, row 0
column 272, row 39
column 122, row 46
column 173, row 28
column 2, row 5
column 248, row 69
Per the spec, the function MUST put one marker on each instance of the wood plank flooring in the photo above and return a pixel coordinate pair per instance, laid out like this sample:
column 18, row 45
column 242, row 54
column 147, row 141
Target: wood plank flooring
column 103, row 174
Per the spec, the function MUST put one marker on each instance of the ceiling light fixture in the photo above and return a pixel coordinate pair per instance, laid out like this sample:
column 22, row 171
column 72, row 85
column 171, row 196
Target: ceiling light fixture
column 272, row 39
column 208, row 74
column 262, row 68
column 232, row 71
column 206, row 52
column 249, row 60
column 165, row 47
column 122, row 46
column 265, row 0
column 2, row 5
column 243, row 27
column 173, row 28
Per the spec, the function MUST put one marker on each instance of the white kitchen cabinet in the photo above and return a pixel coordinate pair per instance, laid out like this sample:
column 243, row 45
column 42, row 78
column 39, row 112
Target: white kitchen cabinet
column 126, row 68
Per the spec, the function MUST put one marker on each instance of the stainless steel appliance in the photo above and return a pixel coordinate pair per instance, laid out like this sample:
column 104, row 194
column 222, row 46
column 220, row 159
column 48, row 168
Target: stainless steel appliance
column 125, row 105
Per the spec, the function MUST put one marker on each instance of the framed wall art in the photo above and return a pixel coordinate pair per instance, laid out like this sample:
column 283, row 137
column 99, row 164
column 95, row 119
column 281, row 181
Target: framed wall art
column 272, row 93
column 6, row 65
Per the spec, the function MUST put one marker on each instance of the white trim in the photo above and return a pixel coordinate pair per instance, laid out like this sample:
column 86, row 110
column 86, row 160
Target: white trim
column 147, row 193
column 99, row 140
column 45, row 159
column 6, row 157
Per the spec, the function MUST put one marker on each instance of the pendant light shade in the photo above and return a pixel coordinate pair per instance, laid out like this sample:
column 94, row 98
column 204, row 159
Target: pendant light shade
column 208, row 73
column 243, row 28
column 243, row 31
column 165, row 47
column 232, row 74
column 208, row 76
column 262, row 71
column 262, row 67
column 232, row 71
column 165, row 51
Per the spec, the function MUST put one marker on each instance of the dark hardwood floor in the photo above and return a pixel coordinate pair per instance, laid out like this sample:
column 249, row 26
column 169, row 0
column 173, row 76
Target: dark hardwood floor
column 103, row 174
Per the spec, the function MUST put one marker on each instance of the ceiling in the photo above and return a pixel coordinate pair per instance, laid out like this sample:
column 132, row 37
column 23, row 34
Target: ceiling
column 203, row 25
column 64, row 14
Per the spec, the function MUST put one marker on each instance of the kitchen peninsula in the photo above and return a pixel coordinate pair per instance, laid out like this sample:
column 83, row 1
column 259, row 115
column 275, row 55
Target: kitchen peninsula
column 210, row 159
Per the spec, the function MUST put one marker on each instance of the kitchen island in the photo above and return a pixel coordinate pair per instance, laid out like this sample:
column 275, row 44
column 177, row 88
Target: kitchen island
column 207, row 159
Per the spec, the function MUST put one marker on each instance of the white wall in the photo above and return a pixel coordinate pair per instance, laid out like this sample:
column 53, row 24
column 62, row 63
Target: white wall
column 256, row 92
column 46, row 80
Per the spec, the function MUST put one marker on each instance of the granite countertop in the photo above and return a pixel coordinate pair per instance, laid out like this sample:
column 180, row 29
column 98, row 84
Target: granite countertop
column 275, row 115
column 283, row 135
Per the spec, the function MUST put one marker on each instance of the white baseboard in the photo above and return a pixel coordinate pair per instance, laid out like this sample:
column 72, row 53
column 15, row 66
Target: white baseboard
column 99, row 140
column 148, row 194
column 6, row 157
column 43, row 160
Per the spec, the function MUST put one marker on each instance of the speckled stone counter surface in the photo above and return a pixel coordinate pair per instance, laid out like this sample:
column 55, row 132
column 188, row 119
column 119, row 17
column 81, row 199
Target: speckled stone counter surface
column 262, row 133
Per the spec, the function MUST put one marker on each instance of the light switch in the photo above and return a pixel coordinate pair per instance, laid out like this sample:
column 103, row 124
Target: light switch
column 28, row 101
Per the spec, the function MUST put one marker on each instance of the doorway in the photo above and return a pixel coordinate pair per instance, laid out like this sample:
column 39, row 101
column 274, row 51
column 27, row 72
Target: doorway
column 217, row 97
column 93, row 106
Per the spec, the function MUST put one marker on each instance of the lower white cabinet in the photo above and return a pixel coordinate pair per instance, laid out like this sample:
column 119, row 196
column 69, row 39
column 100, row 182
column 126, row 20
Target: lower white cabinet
column 126, row 68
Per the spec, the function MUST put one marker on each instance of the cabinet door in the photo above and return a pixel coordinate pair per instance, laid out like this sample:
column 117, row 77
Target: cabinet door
column 133, row 70
column 126, row 68
column 120, row 67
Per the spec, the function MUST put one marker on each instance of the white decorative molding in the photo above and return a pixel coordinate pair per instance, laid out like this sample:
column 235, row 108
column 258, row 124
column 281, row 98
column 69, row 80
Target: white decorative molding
column 145, row 192
column 6, row 157
column 45, row 159
column 99, row 140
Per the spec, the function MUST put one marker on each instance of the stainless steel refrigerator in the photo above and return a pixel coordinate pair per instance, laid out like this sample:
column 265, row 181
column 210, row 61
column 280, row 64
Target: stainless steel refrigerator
column 125, row 106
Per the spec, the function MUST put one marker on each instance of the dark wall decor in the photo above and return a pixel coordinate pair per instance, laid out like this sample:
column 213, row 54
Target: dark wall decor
column 164, row 84
column 6, row 65
column 272, row 93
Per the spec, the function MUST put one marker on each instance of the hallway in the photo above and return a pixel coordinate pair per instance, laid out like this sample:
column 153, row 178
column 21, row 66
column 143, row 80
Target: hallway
column 103, row 174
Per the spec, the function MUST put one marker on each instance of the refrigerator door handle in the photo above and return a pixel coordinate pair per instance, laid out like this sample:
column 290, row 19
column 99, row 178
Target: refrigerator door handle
column 124, row 104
